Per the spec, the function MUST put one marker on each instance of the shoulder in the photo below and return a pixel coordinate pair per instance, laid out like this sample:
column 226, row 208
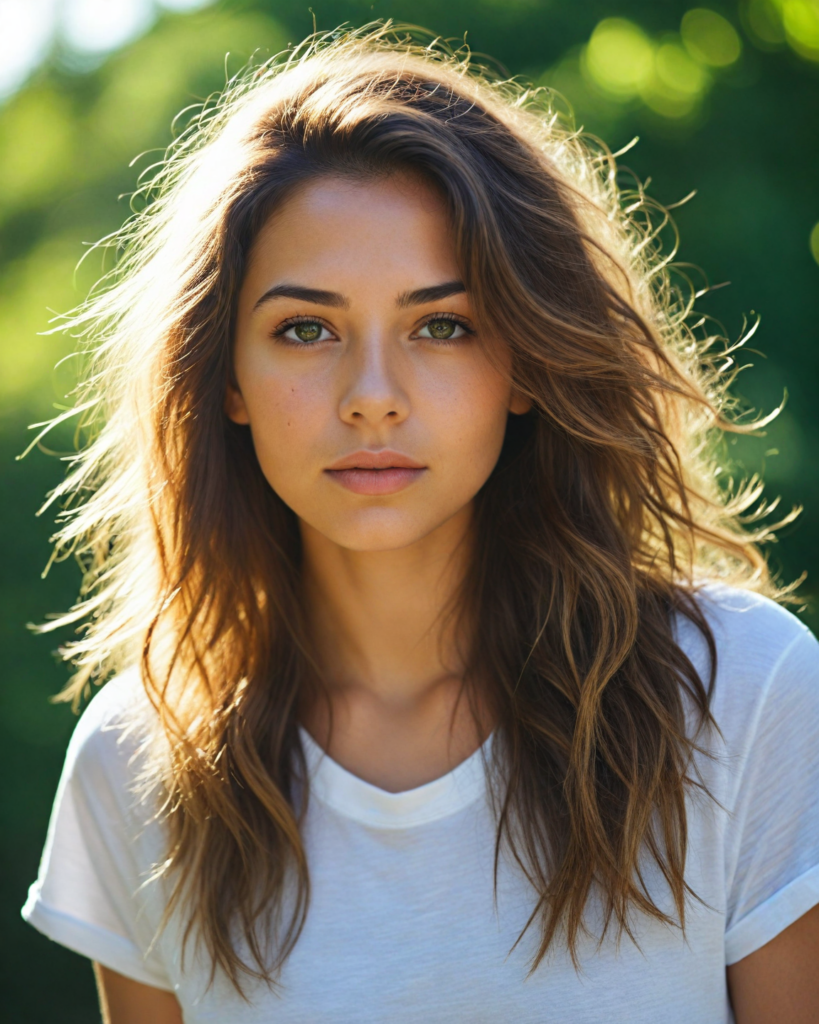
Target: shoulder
column 110, row 743
column 104, row 838
column 753, row 634
column 746, row 621
column 767, row 670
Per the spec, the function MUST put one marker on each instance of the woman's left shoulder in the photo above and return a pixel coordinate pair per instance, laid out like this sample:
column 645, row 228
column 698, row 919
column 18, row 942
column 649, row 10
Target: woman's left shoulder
column 762, row 768
column 767, row 659
column 748, row 625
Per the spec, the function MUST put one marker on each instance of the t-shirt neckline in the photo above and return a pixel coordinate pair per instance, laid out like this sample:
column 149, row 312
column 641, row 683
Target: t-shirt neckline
column 360, row 801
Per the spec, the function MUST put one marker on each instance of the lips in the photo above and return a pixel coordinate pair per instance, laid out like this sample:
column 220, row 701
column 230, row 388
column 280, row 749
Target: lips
column 375, row 472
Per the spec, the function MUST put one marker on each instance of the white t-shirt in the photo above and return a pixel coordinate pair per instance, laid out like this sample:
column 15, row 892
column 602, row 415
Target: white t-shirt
column 404, row 925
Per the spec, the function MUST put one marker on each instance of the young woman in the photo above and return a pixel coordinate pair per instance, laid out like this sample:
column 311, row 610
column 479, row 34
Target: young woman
column 446, row 683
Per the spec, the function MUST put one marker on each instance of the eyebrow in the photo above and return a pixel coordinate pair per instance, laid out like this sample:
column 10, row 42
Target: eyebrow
column 320, row 297
column 314, row 295
column 433, row 294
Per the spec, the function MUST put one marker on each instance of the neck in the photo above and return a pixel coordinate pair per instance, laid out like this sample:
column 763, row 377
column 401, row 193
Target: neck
column 389, row 654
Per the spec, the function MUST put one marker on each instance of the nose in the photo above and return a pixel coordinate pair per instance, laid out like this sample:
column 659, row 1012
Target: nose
column 373, row 392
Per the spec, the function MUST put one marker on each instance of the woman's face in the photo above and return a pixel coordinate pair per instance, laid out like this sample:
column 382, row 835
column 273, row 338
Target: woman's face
column 375, row 412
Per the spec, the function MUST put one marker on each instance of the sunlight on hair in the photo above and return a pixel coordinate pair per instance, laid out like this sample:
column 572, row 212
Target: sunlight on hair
column 192, row 561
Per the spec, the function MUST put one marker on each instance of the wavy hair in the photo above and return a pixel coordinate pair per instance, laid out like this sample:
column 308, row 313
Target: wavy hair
column 598, row 524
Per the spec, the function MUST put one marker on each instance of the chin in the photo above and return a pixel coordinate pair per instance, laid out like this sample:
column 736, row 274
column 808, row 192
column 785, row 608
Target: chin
column 376, row 530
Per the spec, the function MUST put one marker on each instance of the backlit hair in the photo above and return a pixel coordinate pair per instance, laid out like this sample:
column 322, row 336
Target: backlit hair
column 598, row 524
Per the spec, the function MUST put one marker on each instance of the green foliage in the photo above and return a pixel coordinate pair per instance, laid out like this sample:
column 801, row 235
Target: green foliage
column 725, row 99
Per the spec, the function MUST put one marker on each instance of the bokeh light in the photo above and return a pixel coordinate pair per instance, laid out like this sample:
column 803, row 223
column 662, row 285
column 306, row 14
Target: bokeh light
column 98, row 26
column 620, row 58
column 772, row 23
column 800, row 19
column 763, row 19
column 710, row 38
column 670, row 75
column 724, row 97
column 87, row 29
column 814, row 242
column 25, row 38
column 678, row 84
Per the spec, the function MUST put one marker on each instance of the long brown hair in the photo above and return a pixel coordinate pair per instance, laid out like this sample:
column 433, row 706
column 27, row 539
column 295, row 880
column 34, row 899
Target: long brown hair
column 595, row 529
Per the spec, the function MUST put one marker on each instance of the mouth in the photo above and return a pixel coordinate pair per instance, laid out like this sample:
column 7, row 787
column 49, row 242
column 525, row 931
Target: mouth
column 374, row 473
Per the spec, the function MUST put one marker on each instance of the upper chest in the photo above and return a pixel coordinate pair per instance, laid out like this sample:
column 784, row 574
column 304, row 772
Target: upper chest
column 410, row 926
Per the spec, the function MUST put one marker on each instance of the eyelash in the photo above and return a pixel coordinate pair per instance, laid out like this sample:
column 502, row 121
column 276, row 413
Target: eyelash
column 292, row 321
column 453, row 318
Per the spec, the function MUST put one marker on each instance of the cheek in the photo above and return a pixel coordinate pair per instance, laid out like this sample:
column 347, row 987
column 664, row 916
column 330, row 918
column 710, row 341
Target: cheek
column 470, row 412
column 287, row 417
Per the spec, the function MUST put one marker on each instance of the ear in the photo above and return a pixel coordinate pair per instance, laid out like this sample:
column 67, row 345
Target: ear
column 518, row 403
column 235, row 408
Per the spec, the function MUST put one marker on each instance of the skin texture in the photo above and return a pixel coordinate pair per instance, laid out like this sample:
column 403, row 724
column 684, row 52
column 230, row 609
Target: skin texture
column 779, row 983
column 381, row 568
column 125, row 1001
column 373, row 380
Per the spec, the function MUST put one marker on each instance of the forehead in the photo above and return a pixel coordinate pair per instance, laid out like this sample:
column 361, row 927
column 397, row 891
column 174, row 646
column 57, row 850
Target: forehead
column 342, row 230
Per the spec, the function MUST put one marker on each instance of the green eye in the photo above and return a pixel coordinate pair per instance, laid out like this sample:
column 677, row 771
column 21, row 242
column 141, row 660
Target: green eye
column 303, row 333
column 443, row 328
column 309, row 330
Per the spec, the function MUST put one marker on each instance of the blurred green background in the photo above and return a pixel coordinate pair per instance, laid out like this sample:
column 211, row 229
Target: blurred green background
column 724, row 99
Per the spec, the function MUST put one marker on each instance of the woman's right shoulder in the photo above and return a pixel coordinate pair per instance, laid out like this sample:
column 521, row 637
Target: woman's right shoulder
column 114, row 732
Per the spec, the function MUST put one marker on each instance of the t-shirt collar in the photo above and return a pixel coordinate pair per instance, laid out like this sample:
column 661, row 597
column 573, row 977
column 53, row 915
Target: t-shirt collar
column 354, row 798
